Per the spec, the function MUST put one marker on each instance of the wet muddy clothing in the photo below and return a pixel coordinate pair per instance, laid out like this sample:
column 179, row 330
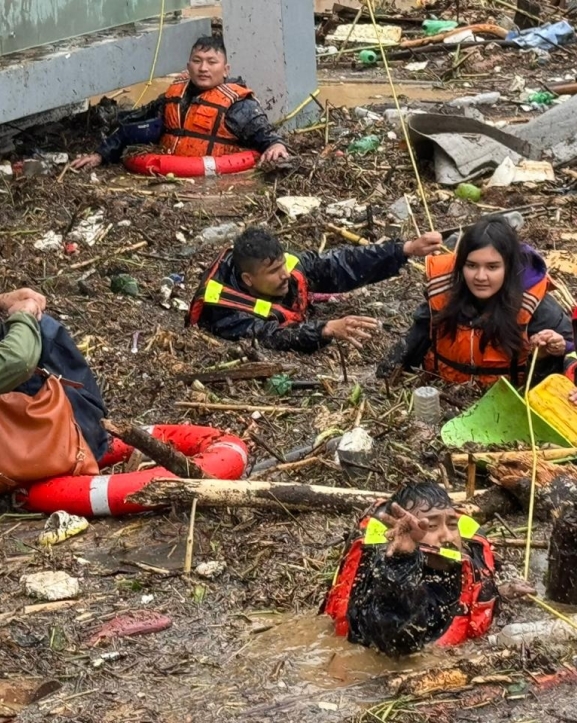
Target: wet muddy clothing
column 333, row 272
column 245, row 120
column 412, row 351
column 20, row 349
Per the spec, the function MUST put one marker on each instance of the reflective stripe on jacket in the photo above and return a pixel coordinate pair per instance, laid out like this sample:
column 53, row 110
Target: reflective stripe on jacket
column 461, row 359
column 475, row 616
column 202, row 131
column 213, row 291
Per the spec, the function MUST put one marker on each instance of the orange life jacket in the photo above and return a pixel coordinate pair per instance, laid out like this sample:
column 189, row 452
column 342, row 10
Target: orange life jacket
column 475, row 616
column 213, row 290
column 202, row 131
column 461, row 359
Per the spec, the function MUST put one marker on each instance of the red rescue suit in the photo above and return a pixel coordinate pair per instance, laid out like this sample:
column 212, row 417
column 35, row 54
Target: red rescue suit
column 202, row 131
column 475, row 616
column 461, row 359
column 213, row 291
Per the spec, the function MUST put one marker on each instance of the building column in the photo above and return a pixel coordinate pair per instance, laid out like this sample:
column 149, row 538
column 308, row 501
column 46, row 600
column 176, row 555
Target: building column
column 271, row 44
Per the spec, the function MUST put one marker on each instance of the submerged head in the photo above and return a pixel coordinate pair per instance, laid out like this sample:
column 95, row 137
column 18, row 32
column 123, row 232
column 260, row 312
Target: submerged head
column 207, row 65
column 429, row 501
column 488, row 258
column 259, row 259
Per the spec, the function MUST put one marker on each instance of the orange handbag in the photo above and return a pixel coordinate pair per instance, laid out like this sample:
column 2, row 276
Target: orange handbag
column 40, row 437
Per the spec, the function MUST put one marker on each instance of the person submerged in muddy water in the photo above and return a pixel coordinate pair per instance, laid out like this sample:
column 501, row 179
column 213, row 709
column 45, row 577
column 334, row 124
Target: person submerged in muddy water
column 203, row 113
column 414, row 572
column 487, row 306
column 255, row 290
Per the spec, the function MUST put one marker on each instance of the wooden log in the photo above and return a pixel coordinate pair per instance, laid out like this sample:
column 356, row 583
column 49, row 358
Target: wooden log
column 259, row 494
column 162, row 453
column 562, row 573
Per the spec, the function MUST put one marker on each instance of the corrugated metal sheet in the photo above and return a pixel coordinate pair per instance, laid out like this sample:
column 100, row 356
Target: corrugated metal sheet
column 29, row 23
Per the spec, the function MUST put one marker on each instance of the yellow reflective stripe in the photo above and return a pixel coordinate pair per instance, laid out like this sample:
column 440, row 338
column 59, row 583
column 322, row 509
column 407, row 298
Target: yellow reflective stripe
column 262, row 308
column 213, row 291
column 375, row 532
column 454, row 555
column 468, row 528
column 572, row 355
column 291, row 261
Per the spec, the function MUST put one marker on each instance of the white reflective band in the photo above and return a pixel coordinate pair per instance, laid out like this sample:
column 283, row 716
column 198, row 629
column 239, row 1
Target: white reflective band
column 99, row 494
column 209, row 165
column 232, row 445
column 149, row 429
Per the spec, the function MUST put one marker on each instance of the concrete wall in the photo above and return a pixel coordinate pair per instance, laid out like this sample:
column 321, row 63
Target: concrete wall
column 71, row 74
column 272, row 46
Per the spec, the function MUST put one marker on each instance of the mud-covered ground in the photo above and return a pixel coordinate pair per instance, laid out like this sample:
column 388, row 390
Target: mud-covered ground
column 247, row 645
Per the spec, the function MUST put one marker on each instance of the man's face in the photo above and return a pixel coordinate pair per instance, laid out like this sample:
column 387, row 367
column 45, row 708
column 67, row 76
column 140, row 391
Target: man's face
column 443, row 527
column 268, row 278
column 207, row 68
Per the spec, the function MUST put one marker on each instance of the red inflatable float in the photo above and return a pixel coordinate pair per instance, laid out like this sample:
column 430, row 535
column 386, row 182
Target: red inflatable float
column 219, row 455
column 159, row 164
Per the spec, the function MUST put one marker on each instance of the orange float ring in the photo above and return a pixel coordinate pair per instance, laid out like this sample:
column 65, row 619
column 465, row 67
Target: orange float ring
column 220, row 455
column 159, row 164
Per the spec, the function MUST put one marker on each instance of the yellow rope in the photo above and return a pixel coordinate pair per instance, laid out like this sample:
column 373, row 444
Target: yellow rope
column 369, row 4
column 533, row 465
column 157, row 50
column 553, row 612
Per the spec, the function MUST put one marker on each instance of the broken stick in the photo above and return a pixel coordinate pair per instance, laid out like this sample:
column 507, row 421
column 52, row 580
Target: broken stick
column 162, row 453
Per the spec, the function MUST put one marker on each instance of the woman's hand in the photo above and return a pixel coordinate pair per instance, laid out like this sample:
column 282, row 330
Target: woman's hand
column 548, row 342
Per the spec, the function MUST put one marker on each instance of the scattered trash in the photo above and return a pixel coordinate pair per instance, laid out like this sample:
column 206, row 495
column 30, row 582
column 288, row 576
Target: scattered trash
column 107, row 658
column 524, row 172
column 366, row 34
column 217, row 234
column 124, row 284
column 49, row 242
column 51, row 585
column 480, row 99
column 35, row 167
column 468, row 192
column 182, row 238
column 516, row 635
column 365, row 145
column 279, row 384
column 58, row 159
column 368, row 57
column 146, row 599
column 542, row 97
column 125, row 222
column 465, row 36
column 60, row 526
column 89, row 229
column 369, row 115
column 326, row 50
column 211, row 569
column 547, row 37
column 436, row 27
column 344, row 209
column 6, row 170
column 94, row 178
column 400, row 209
column 295, row 206
column 427, row 405
column 140, row 622
column 355, row 453
column 417, row 66
column 134, row 345
column 166, row 288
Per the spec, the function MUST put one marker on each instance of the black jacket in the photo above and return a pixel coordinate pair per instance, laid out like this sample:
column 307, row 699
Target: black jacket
column 398, row 604
column 245, row 119
column 337, row 271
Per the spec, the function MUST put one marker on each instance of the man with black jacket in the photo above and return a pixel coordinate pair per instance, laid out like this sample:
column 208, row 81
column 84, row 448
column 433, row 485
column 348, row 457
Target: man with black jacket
column 203, row 113
column 255, row 290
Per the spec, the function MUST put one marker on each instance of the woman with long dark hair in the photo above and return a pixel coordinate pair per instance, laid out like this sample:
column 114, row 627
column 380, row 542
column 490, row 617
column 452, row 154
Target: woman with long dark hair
column 487, row 306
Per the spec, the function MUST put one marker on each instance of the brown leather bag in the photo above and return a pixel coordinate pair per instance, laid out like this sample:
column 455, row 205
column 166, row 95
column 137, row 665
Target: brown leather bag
column 40, row 438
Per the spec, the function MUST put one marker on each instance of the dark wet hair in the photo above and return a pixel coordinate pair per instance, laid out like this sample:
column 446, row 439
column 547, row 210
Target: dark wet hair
column 210, row 42
column 253, row 246
column 424, row 495
column 499, row 325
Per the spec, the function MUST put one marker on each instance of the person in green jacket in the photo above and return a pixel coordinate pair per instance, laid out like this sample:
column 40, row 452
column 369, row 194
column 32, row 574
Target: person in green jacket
column 21, row 346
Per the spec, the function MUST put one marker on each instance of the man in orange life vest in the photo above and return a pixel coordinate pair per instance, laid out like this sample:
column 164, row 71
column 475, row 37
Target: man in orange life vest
column 202, row 114
column 415, row 572
column 255, row 290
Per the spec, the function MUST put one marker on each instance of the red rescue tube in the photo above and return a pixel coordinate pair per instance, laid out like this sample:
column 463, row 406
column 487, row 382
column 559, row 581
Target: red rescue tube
column 186, row 166
column 219, row 455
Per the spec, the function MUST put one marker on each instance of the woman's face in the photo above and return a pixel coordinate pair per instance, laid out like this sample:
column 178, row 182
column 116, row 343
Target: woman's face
column 484, row 272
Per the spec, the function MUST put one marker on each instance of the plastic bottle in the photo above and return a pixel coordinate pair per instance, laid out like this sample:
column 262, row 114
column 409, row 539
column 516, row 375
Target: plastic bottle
column 365, row 145
column 468, row 192
column 517, row 634
column 427, row 404
column 367, row 57
column 434, row 27
column 481, row 99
